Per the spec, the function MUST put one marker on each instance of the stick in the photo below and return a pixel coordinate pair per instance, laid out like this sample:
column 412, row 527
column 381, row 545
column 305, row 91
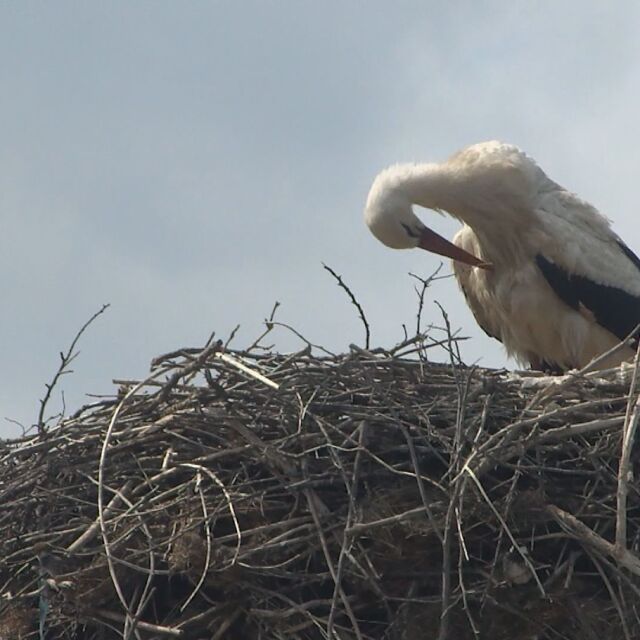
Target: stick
column 625, row 472
column 586, row 535
column 65, row 360
column 354, row 301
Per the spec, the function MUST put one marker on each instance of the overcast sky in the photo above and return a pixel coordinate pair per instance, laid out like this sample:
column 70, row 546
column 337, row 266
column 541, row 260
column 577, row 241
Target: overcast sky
column 193, row 162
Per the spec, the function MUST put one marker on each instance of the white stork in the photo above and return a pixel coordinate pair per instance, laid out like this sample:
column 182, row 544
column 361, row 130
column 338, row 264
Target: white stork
column 541, row 269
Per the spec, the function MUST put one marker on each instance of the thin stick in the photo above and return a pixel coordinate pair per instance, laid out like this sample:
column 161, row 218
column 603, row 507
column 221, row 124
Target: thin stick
column 313, row 501
column 354, row 301
column 625, row 472
column 187, row 370
column 586, row 535
column 421, row 487
column 207, row 528
column 425, row 282
column 445, row 616
column 101, row 507
column 347, row 541
column 613, row 597
column 65, row 360
column 516, row 546
column 234, row 362
column 144, row 626
column 94, row 528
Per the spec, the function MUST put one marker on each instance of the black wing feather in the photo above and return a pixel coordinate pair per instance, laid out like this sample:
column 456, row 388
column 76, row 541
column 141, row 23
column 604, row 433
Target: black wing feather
column 614, row 309
column 627, row 252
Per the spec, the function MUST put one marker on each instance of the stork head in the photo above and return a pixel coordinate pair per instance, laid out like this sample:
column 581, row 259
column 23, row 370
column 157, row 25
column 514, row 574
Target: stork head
column 390, row 217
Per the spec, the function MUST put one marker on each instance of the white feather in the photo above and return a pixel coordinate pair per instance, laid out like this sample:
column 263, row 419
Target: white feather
column 518, row 307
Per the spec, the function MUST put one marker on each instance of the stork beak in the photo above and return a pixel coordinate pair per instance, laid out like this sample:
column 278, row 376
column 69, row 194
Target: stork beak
column 431, row 241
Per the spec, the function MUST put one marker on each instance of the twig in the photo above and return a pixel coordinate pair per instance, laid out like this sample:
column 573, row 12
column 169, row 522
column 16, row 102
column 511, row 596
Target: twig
column 101, row 485
column 268, row 328
column 65, row 360
column 144, row 626
column 582, row 532
column 420, row 481
column 443, row 631
column 301, row 337
column 516, row 546
column 225, row 357
column 454, row 354
column 314, row 502
column 207, row 559
column 625, row 472
column 347, row 540
column 361, row 527
column 355, row 302
column 425, row 283
column 613, row 596
column 94, row 529
column 183, row 372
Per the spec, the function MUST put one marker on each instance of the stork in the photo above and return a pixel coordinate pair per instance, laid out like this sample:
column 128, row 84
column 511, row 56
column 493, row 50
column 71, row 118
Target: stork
column 541, row 269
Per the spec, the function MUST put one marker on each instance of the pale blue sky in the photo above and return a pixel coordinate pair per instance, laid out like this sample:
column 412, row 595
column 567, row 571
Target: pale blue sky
column 193, row 162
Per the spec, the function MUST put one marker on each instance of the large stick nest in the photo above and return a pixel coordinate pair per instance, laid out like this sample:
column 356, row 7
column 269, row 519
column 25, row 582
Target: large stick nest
column 249, row 494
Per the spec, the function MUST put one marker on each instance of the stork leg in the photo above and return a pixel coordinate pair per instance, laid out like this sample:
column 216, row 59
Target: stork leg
column 545, row 367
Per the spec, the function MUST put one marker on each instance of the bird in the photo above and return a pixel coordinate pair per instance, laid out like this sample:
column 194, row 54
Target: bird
column 541, row 269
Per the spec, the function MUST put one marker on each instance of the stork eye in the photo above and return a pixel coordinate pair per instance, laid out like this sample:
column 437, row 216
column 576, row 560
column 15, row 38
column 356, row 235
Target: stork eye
column 410, row 232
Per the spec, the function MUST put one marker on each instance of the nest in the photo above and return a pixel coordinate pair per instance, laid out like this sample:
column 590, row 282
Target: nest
column 373, row 494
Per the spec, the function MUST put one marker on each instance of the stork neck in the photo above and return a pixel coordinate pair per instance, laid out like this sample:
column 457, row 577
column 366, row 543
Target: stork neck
column 425, row 185
column 498, row 216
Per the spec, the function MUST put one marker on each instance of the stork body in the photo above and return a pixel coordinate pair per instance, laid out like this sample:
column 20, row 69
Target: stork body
column 541, row 269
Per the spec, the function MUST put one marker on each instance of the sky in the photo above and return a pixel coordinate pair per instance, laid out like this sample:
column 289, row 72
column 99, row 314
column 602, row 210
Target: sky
column 192, row 163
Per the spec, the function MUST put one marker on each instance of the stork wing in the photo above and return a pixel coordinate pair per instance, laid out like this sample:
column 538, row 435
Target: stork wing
column 467, row 279
column 473, row 303
column 612, row 307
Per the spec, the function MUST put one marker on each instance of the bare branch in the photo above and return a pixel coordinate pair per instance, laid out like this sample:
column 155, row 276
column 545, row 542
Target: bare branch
column 355, row 302
column 66, row 359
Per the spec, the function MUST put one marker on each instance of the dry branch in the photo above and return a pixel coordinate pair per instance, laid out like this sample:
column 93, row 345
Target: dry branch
column 354, row 301
column 66, row 358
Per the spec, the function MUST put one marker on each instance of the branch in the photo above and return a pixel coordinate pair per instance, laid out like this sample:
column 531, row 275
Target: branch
column 625, row 470
column 587, row 536
column 420, row 292
column 65, row 361
column 354, row 301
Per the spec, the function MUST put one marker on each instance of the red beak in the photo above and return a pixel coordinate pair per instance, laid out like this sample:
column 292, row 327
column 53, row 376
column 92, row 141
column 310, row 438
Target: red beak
column 431, row 241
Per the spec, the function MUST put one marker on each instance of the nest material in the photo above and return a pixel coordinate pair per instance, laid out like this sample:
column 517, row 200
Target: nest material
column 366, row 495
